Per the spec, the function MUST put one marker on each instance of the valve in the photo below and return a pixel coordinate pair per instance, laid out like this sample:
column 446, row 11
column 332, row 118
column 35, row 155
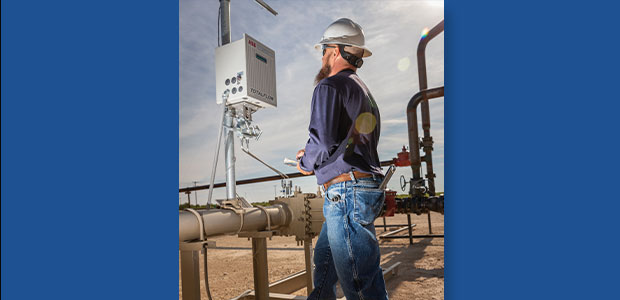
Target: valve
column 403, row 182
column 402, row 159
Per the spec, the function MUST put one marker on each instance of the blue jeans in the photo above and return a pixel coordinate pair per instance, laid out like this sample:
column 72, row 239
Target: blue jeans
column 347, row 249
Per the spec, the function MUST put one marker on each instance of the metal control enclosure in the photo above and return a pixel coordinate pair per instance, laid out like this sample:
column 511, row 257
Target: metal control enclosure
column 247, row 69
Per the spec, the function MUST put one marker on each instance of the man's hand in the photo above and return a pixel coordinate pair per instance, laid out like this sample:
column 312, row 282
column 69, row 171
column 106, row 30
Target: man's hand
column 302, row 170
column 300, row 153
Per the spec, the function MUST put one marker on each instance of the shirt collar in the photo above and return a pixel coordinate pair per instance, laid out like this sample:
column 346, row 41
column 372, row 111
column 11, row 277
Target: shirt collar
column 347, row 70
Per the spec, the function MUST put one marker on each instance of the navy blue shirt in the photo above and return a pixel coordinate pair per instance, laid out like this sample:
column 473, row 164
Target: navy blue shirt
column 344, row 129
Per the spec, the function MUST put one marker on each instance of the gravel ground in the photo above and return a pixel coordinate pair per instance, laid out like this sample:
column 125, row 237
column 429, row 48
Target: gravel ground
column 420, row 275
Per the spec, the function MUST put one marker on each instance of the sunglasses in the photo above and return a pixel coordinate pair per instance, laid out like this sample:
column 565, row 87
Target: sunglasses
column 325, row 48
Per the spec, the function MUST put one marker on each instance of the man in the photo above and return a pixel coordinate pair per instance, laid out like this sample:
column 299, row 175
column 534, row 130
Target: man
column 342, row 152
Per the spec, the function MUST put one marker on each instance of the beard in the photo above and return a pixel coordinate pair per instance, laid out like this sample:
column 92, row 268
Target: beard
column 323, row 73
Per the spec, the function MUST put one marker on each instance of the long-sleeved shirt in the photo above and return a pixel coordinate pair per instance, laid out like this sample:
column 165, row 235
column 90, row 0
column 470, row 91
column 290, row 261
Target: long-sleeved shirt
column 344, row 129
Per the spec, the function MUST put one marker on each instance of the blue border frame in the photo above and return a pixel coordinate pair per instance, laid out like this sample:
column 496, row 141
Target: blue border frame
column 90, row 92
column 89, row 149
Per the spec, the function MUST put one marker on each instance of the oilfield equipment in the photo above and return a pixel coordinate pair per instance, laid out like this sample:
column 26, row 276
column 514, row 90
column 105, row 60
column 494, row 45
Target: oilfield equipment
column 245, row 74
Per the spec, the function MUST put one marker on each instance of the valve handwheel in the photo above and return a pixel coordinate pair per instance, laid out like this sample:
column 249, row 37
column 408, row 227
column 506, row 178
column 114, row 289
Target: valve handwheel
column 403, row 182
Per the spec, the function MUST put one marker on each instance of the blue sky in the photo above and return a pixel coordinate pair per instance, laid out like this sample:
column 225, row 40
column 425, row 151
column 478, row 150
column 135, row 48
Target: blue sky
column 392, row 30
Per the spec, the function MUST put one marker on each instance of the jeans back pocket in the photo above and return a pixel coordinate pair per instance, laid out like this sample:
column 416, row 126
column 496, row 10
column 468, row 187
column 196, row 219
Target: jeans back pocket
column 368, row 204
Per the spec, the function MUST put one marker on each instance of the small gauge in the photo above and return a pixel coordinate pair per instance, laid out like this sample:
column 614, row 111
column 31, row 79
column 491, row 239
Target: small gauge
column 234, row 90
column 233, row 80
column 227, row 82
column 240, row 89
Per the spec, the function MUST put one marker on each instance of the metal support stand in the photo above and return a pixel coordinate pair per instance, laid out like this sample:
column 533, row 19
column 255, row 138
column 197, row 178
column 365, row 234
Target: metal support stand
column 430, row 231
column 409, row 223
column 309, row 269
column 259, row 263
column 282, row 289
column 190, row 274
column 384, row 225
column 190, row 268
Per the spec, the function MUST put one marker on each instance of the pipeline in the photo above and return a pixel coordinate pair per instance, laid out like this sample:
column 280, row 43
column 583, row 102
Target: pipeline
column 412, row 125
column 224, row 221
column 426, row 115
column 188, row 190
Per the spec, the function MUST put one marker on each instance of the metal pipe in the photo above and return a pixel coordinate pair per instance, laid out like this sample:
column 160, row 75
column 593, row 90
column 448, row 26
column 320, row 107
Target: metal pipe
column 190, row 274
column 409, row 222
column 309, row 269
column 217, row 152
column 258, row 179
column 415, row 236
column 260, row 268
column 421, row 53
column 394, row 225
column 412, row 126
column 425, row 110
column 231, row 189
column 264, row 163
column 241, row 182
column 430, row 229
column 267, row 7
column 384, row 225
column 225, row 21
column 224, row 221
column 407, row 227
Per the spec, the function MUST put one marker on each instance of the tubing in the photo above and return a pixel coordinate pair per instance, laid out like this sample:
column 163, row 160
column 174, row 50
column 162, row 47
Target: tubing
column 264, row 163
column 206, row 269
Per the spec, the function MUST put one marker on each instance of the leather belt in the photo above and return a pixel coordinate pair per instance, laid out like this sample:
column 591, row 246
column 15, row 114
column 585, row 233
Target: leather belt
column 345, row 177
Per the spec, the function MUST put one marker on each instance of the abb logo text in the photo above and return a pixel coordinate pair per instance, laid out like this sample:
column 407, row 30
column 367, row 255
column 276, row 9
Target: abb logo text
column 252, row 43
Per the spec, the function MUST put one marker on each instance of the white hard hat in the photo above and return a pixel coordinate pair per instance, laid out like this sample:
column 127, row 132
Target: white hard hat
column 345, row 32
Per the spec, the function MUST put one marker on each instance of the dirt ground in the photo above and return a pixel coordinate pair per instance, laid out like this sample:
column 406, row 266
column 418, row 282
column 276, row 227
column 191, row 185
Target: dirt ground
column 420, row 275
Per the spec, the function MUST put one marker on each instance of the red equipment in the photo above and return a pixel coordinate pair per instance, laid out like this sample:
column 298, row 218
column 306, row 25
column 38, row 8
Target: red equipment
column 403, row 159
column 390, row 200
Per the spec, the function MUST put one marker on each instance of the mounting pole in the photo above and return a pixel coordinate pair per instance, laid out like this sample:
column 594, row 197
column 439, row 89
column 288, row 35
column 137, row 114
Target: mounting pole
column 195, row 193
column 190, row 257
column 231, row 188
column 225, row 21
column 229, row 148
